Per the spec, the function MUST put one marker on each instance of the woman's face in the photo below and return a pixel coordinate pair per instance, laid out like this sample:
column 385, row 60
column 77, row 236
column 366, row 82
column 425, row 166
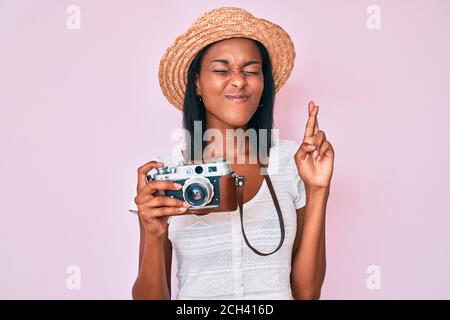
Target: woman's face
column 231, row 67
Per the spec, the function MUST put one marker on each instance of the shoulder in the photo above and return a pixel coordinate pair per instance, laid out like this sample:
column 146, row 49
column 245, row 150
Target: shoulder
column 282, row 155
column 285, row 147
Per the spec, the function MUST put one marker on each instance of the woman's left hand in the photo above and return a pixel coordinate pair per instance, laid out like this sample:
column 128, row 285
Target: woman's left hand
column 315, row 157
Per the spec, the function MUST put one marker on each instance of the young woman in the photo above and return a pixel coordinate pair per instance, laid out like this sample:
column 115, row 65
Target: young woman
column 233, row 70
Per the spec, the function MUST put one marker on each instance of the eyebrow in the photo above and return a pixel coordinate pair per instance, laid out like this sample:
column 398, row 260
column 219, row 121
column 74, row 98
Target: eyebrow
column 226, row 62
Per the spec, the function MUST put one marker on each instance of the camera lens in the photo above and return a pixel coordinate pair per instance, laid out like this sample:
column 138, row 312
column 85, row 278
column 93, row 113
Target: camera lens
column 195, row 194
column 198, row 191
column 198, row 169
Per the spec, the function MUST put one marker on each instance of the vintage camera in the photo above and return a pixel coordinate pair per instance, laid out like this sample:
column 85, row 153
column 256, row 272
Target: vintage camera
column 207, row 187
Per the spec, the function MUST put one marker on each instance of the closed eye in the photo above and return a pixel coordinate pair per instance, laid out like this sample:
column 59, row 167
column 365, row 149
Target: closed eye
column 251, row 72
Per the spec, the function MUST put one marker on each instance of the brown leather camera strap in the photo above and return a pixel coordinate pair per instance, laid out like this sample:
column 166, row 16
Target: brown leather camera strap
column 240, row 198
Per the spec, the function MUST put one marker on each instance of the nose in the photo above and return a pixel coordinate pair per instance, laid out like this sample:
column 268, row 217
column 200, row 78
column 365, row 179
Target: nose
column 238, row 79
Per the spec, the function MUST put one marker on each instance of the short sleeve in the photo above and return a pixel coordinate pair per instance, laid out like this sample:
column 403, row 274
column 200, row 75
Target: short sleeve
column 298, row 187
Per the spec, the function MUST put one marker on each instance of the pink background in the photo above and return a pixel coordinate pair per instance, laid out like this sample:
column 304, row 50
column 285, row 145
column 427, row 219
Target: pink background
column 81, row 110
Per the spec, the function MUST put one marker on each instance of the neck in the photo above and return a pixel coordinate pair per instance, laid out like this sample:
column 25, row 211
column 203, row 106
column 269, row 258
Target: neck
column 236, row 150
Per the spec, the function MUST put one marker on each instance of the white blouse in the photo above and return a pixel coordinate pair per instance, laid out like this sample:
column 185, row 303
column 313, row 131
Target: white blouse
column 214, row 261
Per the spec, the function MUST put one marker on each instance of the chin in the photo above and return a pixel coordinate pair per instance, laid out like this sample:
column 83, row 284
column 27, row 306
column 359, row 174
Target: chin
column 237, row 121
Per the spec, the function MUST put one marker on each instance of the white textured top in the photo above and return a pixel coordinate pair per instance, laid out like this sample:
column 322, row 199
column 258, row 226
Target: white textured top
column 214, row 261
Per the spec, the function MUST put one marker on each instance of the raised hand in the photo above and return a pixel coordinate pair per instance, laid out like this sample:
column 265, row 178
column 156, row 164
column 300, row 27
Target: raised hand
column 315, row 157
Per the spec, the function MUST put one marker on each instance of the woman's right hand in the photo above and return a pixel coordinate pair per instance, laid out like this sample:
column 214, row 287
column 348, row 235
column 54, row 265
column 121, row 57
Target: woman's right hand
column 154, row 208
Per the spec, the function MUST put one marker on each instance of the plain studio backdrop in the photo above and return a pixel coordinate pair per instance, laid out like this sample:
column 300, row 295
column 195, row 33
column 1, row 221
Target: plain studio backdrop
column 81, row 110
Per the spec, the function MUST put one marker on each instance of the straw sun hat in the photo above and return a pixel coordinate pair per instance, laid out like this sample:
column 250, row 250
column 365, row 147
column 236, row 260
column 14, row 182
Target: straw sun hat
column 215, row 25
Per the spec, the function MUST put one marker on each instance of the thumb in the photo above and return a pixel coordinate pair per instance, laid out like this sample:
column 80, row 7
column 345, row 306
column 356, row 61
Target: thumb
column 304, row 149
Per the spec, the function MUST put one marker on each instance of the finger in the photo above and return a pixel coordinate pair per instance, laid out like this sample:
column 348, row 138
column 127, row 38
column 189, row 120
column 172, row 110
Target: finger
column 316, row 140
column 316, row 128
column 303, row 151
column 311, row 108
column 326, row 150
column 319, row 138
column 161, row 185
column 158, row 193
column 323, row 149
column 309, row 140
column 168, row 211
column 143, row 170
column 142, row 198
column 146, row 199
column 166, row 202
column 312, row 119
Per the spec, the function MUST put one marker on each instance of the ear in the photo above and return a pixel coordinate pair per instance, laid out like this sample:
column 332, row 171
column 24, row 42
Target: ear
column 198, row 88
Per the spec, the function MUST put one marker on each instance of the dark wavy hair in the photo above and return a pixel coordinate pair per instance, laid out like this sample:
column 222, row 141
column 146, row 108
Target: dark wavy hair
column 194, row 110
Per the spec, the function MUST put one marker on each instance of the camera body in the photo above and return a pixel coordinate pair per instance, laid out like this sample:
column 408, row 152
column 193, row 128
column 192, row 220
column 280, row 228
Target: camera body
column 207, row 187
